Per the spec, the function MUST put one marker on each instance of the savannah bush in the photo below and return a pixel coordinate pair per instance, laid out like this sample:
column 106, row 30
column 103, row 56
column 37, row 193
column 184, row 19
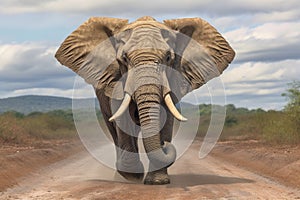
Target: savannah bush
column 17, row 128
column 10, row 129
column 51, row 125
column 279, row 128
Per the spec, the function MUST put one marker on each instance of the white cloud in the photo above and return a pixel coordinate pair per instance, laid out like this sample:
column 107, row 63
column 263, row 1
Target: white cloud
column 260, row 84
column 277, row 16
column 282, row 31
column 41, row 91
column 252, row 85
column 78, row 89
column 266, row 42
column 286, row 31
column 80, row 93
column 264, row 34
column 284, row 71
column 134, row 7
column 31, row 65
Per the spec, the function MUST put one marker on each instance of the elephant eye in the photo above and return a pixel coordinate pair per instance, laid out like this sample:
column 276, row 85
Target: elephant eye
column 168, row 56
column 125, row 57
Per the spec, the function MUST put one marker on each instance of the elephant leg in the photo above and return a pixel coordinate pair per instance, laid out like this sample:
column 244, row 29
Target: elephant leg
column 160, row 177
column 128, row 161
column 104, row 103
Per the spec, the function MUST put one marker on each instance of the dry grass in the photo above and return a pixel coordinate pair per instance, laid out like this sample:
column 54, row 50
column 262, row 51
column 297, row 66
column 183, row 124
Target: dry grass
column 17, row 128
column 273, row 127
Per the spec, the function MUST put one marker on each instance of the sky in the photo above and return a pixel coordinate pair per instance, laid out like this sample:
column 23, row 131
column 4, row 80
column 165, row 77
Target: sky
column 264, row 34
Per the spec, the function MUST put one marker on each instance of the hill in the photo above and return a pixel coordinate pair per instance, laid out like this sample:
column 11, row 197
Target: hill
column 34, row 103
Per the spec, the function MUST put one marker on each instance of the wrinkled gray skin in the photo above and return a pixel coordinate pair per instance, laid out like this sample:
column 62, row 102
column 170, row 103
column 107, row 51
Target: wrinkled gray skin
column 144, row 46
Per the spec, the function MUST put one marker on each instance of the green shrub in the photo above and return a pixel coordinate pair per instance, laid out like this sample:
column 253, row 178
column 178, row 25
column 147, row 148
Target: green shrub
column 34, row 114
column 230, row 120
column 293, row 107
column 15, row 114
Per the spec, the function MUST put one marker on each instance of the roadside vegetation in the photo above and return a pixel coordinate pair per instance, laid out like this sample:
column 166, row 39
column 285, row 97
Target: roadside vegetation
column 272, row 127
column 17, row 128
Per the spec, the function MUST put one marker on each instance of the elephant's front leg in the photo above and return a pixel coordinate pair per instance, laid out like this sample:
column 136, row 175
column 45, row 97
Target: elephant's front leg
column 161, row 176
column 128, row 161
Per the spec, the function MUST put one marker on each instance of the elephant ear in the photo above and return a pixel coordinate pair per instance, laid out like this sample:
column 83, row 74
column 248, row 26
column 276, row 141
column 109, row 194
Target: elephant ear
column 201, row 53
column 90, row 52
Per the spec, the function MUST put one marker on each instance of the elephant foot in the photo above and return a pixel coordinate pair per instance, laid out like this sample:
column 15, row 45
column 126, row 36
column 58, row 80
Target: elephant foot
column 159, row 177
column 134, row 177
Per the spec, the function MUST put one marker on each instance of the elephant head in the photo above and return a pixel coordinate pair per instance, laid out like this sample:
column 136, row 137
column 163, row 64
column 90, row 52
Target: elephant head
column 103, row 49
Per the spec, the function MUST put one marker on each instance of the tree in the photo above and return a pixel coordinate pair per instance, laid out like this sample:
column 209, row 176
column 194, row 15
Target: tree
column 230, row 108
column 293, row 107
column 293, row 94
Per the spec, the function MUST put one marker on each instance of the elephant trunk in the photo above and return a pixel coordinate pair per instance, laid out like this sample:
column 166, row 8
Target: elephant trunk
column 148, row 98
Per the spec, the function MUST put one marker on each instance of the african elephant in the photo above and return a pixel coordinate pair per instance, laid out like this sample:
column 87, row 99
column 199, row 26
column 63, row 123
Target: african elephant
column 132, row 65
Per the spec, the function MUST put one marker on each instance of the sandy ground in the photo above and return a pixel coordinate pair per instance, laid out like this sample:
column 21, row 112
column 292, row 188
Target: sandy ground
column 18, row 161
column 281, row 162
column 82, row 177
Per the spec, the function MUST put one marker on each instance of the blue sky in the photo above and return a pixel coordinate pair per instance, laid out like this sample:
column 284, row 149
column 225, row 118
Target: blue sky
column 265, row 35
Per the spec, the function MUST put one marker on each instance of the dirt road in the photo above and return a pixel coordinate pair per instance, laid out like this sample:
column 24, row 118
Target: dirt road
column 82, row 177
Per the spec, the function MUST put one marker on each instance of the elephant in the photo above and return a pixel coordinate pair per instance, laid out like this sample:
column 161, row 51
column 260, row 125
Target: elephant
column 142, row 68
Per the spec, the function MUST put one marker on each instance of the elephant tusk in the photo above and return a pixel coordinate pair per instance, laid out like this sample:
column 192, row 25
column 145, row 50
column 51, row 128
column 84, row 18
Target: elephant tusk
column 124, row 105
column 173, row 109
